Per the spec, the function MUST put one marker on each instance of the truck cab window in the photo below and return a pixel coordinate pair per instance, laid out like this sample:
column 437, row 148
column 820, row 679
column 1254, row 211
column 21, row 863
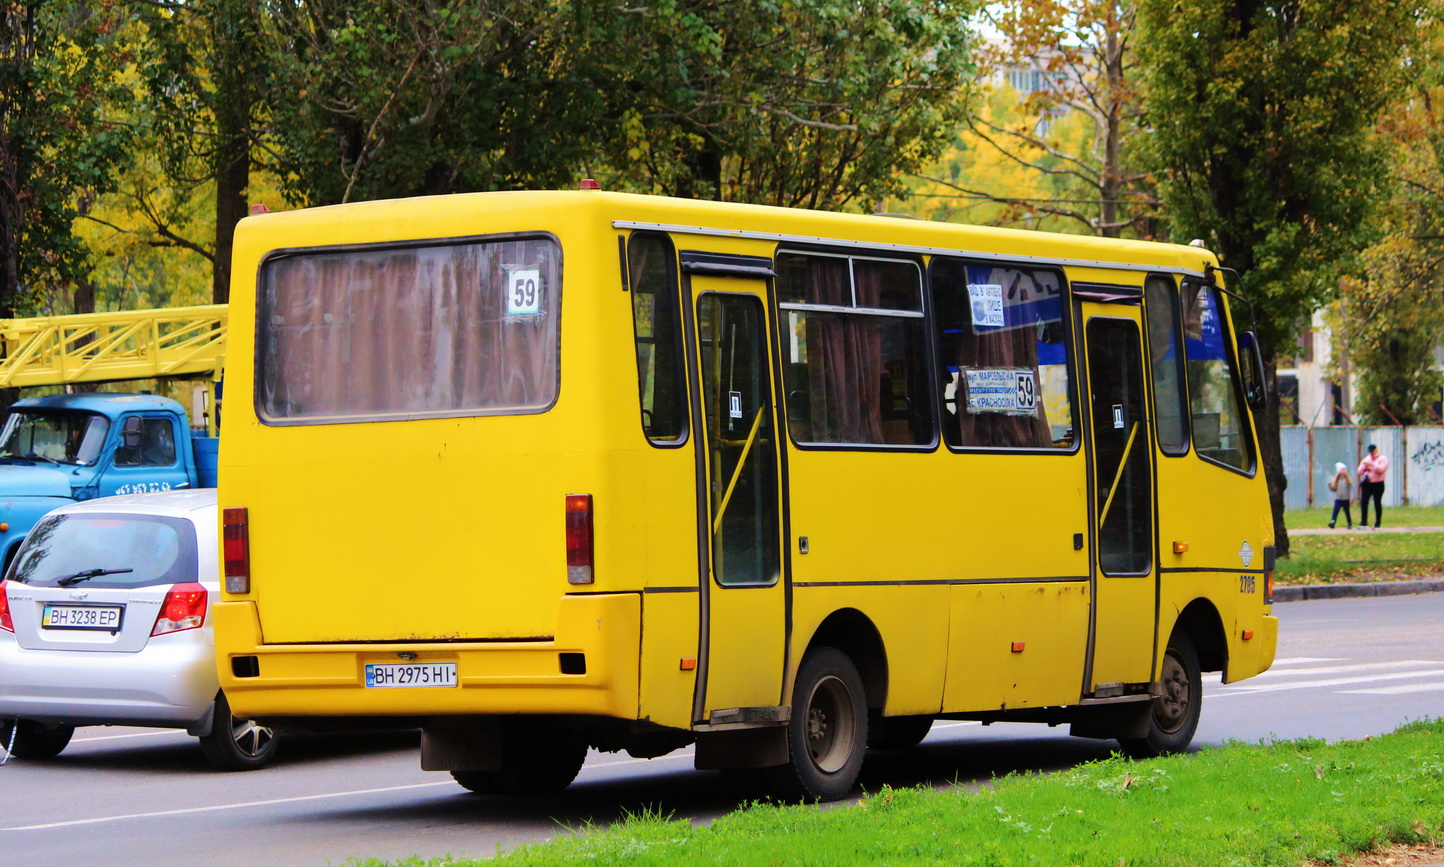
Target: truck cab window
column 146, row 442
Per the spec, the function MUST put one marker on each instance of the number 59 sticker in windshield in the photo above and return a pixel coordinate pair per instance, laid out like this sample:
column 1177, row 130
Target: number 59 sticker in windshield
column 523, row 291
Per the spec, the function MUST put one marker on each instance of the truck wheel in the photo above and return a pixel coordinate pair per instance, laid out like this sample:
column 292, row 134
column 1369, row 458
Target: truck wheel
column 34, row 740
column 1175, row 713
column 237, row 744
column 899, row 732
column 539, row 756
column 827, row 737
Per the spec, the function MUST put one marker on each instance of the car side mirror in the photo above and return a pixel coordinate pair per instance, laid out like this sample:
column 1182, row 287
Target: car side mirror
column 1250, row 355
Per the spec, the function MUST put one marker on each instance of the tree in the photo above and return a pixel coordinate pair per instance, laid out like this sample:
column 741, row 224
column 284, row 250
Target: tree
column 796, row 102
column 1263, row 115
column 204, row 73
column 401, row 98
column 60, row 68
column 1073, row 57
column 800, row 103
column 1390, row 318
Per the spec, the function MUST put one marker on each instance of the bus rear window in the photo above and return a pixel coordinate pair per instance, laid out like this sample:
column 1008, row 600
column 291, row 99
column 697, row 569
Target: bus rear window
column 407, row 332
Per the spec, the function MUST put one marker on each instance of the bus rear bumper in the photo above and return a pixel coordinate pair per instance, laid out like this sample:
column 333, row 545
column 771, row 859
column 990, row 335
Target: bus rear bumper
column 597, row 641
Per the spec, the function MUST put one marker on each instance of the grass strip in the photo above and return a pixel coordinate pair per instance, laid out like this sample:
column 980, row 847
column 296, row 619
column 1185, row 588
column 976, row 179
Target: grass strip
column 1394, row 516
column 1279, row 803
column 1360, row 556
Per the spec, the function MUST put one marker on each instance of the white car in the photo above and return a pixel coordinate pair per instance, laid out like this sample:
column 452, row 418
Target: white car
column 103, row 621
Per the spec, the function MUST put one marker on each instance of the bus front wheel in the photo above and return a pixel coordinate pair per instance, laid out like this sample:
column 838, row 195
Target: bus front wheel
column 1175, row 711
column 827, row 736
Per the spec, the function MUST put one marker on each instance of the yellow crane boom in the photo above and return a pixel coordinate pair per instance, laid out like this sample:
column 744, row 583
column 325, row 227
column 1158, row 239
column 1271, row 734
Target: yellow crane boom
column 106, row 347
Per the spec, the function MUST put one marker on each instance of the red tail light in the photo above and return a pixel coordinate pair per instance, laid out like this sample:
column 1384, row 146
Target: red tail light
column 5, row 622
column 236, row 541
column 184, row 608
column 579, row 539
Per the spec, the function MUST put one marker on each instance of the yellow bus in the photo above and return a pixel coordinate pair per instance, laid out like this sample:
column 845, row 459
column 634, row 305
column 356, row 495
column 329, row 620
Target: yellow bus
column 544, row 471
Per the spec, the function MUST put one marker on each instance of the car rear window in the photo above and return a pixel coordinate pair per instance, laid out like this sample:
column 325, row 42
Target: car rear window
column 80, row 550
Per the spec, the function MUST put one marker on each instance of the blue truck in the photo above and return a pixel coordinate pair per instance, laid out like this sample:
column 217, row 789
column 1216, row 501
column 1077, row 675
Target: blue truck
column 61, row 449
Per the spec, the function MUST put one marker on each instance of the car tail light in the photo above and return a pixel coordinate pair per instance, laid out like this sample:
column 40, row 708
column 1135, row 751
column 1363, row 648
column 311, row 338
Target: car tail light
column 579, row 539
column 5, row 622
column 184, row 608
column 236, row 544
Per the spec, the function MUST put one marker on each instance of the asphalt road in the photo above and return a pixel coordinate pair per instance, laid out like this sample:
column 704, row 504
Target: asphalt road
column 1346, row 668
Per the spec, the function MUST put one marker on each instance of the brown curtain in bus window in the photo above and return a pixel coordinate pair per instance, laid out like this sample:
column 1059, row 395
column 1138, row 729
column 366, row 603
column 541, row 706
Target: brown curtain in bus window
column 407, row 332
column 1015, row 345
column 844, row 354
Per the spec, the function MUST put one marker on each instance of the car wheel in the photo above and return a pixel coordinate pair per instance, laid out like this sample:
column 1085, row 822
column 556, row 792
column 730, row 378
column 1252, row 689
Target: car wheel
column 827, row 737
column 34, row 740
column 1175, row 712
column 237, row 744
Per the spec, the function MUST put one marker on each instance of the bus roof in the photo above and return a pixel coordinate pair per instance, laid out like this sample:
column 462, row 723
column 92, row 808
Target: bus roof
column 453, row 215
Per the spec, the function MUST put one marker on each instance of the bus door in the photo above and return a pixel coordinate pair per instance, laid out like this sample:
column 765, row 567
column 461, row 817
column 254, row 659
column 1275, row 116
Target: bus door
column 744, row 596
column 1125, row 591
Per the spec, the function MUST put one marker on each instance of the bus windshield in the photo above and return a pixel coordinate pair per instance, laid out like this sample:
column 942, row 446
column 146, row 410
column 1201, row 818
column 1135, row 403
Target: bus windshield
column 59, row 437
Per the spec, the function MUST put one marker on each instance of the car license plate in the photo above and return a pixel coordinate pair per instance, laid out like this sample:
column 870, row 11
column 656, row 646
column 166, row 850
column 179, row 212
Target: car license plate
column 106, row 617
column 385, row 675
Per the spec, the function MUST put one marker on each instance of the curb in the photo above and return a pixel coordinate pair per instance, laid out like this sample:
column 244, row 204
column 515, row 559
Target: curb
column 1349, row 591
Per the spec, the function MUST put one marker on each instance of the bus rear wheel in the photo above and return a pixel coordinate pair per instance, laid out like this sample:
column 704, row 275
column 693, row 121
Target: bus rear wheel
column 540, row 756
column 827, row 736
column 1175, row 712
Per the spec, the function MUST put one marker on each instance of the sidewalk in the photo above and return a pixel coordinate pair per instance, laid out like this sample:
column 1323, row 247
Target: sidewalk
column 1300, row 592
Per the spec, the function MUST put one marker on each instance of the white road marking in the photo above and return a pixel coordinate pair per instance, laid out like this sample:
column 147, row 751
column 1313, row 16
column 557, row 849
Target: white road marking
column 1304, row 660
column 1339, row 669
column 1402, row 689
column 136, row 735
column 1246, row 689
column 191, row 810
column 684, row 754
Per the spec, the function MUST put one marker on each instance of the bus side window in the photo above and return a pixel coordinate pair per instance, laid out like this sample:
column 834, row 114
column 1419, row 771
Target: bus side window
column 651, row 264
column 854, row 350
column 1004, row 353
column 1215, row 397
column 1165, row 352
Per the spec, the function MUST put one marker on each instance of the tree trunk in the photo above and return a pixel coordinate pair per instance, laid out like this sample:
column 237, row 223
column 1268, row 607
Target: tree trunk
column 1271, row 453
column 236, row 36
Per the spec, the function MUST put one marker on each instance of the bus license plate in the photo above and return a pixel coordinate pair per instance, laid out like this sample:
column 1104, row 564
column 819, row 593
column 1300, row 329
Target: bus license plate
column 106, row 617
column 386, row 675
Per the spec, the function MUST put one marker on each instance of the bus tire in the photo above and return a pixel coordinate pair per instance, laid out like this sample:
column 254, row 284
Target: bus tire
column 34, row 740
column 1174, row 716
column 827, row 736
column 540, row 756
column 899, row 732
column 237, row 744
column 478, row 782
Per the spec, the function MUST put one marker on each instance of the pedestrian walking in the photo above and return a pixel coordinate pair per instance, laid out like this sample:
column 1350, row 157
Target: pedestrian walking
column 1342, row 485
column 1371, row 485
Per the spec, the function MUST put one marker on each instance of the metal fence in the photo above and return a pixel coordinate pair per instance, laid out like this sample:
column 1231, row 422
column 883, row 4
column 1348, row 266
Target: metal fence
column 1416, row 462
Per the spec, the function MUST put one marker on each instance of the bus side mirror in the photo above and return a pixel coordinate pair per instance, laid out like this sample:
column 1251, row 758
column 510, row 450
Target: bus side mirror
column 1255, row 387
